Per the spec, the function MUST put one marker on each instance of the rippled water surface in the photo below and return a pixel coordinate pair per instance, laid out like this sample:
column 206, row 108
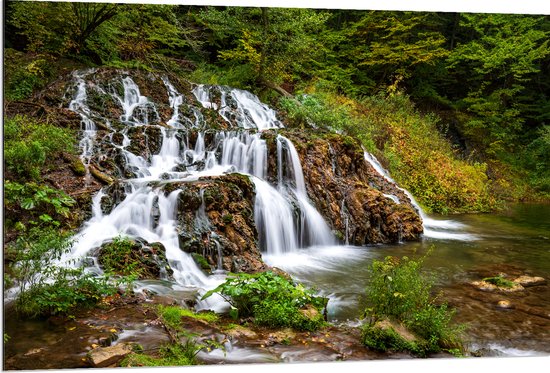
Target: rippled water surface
column 464, row 248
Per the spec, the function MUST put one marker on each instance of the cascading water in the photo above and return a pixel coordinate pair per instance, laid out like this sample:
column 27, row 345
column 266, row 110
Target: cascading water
column 284, row 216
column 440, row 229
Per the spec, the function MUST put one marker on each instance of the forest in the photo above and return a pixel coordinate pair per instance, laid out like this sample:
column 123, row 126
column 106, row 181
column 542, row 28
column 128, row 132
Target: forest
column 455, row 106
column 480, row 80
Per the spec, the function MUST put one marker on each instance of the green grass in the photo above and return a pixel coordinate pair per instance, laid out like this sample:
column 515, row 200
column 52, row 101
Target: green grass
column 499, row 281
column 169, row 355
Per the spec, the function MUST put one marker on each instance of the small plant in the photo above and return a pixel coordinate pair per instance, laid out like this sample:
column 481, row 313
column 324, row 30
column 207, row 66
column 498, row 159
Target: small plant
column 171, row 315
column 272, row 300
column 500, row 281
column 398, row 291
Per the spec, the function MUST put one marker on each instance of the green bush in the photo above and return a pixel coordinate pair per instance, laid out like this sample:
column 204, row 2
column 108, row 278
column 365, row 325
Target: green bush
column 397, row 290
column 28, row 144
column 272, row 300
column 46, row 288
column 24, row 76
column 40, row 200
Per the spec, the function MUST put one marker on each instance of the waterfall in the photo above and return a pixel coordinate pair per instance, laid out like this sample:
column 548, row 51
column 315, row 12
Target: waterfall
column 433, row 228
column 78, row 105
column 285, row 218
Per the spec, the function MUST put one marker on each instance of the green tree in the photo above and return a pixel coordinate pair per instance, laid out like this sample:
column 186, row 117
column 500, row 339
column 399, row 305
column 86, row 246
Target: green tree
column 495, row 59
column 275, row 45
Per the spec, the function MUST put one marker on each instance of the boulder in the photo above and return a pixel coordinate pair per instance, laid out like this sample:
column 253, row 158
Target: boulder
column 127, row 256
column 102, row 357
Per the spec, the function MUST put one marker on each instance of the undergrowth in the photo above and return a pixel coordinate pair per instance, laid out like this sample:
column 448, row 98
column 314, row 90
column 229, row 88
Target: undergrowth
column 272, row 300
column 406, row 142
column 398, row 291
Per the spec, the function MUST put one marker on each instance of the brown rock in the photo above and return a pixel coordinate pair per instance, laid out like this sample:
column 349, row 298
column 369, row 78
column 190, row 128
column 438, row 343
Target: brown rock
column 505, row 304
column 403, row 332
column 527, row 281
column 102, row 357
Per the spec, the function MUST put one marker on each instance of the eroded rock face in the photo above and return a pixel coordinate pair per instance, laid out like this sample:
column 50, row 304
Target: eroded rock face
column 217, row 213
column 349, row 193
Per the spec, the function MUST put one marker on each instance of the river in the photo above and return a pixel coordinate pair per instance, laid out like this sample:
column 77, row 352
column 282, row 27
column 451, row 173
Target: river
column 515, row 241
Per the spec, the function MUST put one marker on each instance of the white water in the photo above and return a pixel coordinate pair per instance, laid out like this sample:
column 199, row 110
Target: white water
column 285, row 218
column 433, row 228
column 238, row 106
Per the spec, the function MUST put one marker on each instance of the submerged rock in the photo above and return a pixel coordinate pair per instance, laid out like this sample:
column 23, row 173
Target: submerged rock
column 527, row 281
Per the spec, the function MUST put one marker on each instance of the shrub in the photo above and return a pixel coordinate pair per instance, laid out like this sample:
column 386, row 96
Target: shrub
column 397, row 290
column 272, row 300
column 41, row 201
column 45, row 288
column 28, row 144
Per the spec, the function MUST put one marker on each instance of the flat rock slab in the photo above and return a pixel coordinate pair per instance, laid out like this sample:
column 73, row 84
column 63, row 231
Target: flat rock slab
column 102, row 357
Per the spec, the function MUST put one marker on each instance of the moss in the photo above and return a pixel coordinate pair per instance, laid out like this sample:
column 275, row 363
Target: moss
column 227, row 218
column 201, row 261
column 499, row 281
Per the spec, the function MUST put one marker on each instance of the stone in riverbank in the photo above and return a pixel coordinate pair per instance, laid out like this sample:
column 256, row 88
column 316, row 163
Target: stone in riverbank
column 102, row 357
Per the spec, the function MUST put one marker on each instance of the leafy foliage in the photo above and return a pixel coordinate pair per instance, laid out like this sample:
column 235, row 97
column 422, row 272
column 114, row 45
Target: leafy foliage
column 45, row 287
column 398, row 291
column 39, row 199
column 28, row 144
column 277, row 44
column 271, row 300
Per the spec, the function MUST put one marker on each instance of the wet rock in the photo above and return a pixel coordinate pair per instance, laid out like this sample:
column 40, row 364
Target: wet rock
column 102, row 357
column 348, row 192
column 527, row 281
column 135, row 256
column 487, row 286
column 215, row 216
column 241, row 332
column 504, row 304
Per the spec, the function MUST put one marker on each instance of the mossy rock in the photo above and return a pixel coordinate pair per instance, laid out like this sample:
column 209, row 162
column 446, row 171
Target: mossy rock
column 125, row 256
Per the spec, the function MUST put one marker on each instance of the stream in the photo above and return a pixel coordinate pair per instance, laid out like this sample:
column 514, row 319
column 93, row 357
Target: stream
column 292, row 233
column 513, row 242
